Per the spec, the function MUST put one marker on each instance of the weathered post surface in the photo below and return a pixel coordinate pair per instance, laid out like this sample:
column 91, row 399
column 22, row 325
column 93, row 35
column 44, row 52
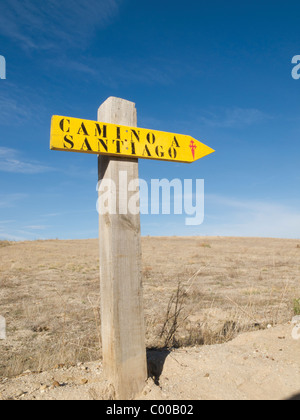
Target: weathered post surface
column 122, row 311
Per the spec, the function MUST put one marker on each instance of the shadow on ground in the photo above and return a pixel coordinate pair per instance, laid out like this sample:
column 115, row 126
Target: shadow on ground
column 155, row 361
column 295, row 398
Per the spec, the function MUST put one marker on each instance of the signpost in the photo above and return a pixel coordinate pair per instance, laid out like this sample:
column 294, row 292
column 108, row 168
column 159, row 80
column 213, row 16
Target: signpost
column 102, row 138
column 119, row 143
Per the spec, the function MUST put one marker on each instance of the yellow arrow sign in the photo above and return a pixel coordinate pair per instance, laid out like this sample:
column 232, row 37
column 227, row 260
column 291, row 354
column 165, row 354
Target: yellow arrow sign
column 83, row 136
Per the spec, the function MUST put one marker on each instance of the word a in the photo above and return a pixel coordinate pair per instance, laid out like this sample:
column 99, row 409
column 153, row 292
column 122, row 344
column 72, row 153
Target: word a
column 2, row 67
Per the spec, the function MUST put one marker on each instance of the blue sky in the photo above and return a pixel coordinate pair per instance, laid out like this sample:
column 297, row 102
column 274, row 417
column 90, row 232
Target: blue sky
column 218, row 71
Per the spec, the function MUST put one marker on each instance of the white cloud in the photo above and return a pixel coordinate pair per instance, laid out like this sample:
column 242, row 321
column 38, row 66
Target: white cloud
column 233, row 117
column 13, row 110
column 113, row 71
column 54, row 24
column 256, row 218
column 20, row 104
column 10, row 161
column 8, row 237
column 36, row 227
column 10, row 200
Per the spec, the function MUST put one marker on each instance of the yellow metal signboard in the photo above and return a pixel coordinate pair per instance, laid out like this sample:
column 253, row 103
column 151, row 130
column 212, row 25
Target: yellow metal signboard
column 83, row 136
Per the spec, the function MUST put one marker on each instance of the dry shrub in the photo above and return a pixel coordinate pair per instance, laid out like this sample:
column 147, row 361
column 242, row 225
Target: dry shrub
column 296, row 307
column 173, row 318
column 4, row 244
column 205, row 245
column 176, row 331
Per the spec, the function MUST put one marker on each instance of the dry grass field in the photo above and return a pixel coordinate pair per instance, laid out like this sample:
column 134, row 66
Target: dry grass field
column 196, row 291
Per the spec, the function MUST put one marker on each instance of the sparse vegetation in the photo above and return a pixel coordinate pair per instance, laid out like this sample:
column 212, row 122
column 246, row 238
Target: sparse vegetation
column 4, row 244
column 173, row 317
column 297, row 307
column 50, row 295
column 205, row 245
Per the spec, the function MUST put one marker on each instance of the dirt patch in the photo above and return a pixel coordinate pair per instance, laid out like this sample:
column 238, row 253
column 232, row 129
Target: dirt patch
column 262, row 365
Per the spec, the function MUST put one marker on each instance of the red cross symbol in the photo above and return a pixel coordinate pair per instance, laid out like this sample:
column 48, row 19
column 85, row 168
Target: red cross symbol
column 193, row 148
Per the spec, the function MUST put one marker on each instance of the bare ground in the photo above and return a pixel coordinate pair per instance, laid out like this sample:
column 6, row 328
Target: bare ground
column 262, row 365
column 229, row 287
